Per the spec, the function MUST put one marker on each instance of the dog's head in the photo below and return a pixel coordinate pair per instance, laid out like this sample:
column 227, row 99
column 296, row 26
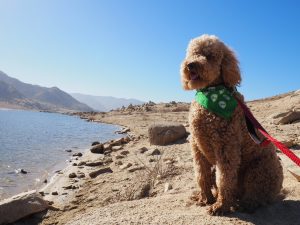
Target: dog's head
column 209, row 62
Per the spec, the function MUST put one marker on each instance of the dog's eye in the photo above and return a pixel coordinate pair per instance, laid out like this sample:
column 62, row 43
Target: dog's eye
column 209, row 56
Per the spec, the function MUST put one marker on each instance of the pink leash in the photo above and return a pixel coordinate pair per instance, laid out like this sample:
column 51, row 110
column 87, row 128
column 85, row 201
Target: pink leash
column 251, row 119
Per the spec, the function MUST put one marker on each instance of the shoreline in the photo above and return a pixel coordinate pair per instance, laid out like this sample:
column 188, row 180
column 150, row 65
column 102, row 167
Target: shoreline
column 117, row 196
column 50, row 174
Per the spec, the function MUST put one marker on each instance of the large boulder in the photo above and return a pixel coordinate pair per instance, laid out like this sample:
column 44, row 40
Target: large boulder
column 165, row 133
column 22, row 205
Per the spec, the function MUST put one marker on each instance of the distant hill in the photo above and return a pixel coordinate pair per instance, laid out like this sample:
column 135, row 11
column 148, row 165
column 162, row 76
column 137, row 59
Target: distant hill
column 105, row 103
column 16, row 94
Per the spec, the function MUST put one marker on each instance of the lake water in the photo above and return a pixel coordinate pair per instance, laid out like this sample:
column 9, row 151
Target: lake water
column 36, row 142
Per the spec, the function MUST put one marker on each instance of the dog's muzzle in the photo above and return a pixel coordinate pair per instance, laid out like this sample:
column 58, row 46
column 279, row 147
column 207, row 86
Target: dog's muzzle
column 192, row 68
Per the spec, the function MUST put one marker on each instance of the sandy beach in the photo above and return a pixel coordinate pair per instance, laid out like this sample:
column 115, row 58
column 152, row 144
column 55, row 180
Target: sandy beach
column 134, row 182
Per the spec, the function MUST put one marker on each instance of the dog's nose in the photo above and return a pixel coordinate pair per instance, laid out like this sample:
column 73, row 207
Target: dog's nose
column 191, row 66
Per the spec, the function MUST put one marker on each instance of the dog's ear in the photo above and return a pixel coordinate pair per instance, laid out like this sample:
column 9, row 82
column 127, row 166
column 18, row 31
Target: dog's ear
column 230, row 68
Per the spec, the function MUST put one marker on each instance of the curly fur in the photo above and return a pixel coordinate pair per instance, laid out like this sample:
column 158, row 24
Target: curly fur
column 246, row 175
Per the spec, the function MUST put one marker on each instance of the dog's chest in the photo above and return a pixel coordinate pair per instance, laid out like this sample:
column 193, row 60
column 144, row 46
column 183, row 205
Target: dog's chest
column 207, row 130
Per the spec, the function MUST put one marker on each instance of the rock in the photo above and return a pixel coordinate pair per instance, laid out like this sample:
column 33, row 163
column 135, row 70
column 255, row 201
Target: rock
column 153, row 152
column 286, row 117
column 22, row 205
column 123, row 131
column 54, row 193
column 82, row 163
column 107, row 152
column 152, row 160
column 72, row 175
column 68, row 150
column 133, row 169
column 45, row 181
column 93, row 164
column 126, row 139
column 23, row 171
column 77, row 154
column 69, row 187
column 168, row 187
column 99, row 149
column 117, row 142
column 125, row 152
column 95, row 143
column 119, row 156
column 81, row 175
column 74, row 164
column 107, row 146
column 166, row 133
column 100, row 171
column 125, row 166
column 107, row 160
column 118, row 163
column 116, row 148
column 143, row 150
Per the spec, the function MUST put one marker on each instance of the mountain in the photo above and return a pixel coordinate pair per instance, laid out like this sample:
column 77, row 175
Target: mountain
column 105, row 103
column 16, row 94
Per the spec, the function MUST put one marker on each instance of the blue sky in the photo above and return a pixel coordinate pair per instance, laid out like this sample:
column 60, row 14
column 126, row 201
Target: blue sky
column 133, row 48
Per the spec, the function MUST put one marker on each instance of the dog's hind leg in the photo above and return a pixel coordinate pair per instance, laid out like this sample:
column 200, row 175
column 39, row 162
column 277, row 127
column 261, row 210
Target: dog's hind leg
column 204, row 176
column 262, row 181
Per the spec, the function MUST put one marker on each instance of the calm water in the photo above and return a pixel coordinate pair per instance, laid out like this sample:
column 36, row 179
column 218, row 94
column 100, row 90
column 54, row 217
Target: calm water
column 36, row 142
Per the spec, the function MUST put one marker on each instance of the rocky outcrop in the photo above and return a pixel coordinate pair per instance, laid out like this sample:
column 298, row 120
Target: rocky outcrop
column 286, row 117
column 22, row 205
column 166, row 133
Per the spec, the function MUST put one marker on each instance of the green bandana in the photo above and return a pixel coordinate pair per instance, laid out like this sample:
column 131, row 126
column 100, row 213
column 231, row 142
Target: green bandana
column 217, row 100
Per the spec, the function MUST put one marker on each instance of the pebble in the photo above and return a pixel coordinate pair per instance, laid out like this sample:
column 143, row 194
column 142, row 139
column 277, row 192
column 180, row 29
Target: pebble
column 95, row 143
column 100, row 171
column 119, row 156
column 74, row 164
column 125, row 152
column 99, row 149
column 69, row 187
column 72, row 175
column 168, row 187
column 154, row 152
column 23, row 171
column 93, row 164
column 116, row 148
column 133, row 169
column 82, row 163
column 118, row 163
column 54, row 193
column 81, row 175
column 125, row 166
column 79, row 154
column 68, row 150
column 143, row 150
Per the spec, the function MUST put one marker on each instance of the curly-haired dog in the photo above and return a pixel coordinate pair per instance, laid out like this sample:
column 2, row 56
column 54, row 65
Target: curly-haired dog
column 243, row 173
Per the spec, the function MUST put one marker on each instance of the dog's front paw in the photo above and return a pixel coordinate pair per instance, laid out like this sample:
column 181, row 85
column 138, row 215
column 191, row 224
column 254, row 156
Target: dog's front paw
column 201, row 200
column 218, row 209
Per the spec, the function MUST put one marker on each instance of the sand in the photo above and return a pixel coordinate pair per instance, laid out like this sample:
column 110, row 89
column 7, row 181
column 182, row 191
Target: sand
column 156, row 189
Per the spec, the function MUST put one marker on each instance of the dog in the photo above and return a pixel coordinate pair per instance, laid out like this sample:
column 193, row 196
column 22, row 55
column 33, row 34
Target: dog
column 232, row 171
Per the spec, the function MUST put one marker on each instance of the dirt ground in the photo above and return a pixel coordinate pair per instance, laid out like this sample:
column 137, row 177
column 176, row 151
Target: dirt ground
column 155, row 189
